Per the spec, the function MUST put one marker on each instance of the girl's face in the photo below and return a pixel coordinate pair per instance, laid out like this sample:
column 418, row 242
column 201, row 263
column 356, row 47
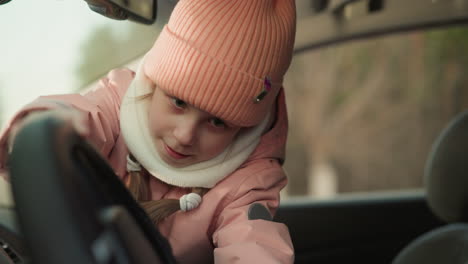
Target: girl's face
column 185, row 135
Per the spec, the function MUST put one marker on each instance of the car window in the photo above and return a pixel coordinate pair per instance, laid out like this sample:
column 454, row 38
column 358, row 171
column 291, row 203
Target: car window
column 363, row 114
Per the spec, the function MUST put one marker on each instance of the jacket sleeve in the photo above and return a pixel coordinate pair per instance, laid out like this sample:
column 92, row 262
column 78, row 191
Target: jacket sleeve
column 100, row 105
column 240, row 240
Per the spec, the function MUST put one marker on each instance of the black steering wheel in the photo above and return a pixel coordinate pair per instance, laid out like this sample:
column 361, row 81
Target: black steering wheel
column 71, row 206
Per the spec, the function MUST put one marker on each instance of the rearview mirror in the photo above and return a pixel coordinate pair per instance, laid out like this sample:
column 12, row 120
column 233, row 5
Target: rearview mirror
column 142, row 11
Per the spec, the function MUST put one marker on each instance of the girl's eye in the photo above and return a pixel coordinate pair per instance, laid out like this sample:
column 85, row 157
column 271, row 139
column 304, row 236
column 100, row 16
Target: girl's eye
column 178, row 103
column 216, row 122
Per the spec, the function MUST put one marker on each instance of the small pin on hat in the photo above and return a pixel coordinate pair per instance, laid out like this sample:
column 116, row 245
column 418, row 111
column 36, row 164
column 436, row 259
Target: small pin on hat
column 266, row 89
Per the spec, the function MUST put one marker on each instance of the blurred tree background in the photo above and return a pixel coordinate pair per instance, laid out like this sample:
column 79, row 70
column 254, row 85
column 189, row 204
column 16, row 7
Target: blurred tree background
column 107, row 48
column 363, row 114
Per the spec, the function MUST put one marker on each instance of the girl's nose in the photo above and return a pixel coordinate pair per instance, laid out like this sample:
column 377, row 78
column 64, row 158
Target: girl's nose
column 185, row 132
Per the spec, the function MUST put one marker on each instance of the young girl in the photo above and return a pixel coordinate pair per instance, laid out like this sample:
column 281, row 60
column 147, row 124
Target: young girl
column 198, row 133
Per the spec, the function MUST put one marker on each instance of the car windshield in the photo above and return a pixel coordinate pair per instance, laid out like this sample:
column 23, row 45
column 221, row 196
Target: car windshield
column 363, row 114
column 60, row 46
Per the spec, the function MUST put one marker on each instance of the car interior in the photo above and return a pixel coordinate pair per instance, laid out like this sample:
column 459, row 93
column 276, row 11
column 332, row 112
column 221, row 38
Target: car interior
column 426, row 226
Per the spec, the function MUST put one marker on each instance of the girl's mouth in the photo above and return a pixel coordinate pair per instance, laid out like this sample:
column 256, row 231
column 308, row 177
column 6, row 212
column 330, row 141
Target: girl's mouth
column 174, row 154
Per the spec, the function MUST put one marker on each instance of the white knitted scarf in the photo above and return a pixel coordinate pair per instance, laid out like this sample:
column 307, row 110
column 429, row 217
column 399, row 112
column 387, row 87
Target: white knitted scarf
column 135, row 130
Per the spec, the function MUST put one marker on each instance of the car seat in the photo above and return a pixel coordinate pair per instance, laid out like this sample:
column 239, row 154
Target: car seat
column 446, row 183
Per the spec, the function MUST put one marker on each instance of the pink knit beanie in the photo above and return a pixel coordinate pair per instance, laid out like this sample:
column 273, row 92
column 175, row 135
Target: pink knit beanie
column 226, row 57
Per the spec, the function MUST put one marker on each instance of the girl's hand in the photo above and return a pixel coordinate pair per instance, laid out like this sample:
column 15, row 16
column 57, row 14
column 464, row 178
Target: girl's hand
column 75, row 118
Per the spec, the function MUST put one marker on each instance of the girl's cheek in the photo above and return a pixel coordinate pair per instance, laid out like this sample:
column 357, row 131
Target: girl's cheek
column 220, row 143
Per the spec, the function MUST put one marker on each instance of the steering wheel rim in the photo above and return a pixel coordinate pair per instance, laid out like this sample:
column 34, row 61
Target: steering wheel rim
column 60, row 181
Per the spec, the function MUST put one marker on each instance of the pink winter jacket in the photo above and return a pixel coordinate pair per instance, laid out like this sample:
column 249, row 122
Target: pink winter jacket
column 219, row 229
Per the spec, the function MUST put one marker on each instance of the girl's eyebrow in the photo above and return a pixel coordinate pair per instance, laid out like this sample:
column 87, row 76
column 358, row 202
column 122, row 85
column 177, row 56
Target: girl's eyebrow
column 167, row 94
column 174, row 97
